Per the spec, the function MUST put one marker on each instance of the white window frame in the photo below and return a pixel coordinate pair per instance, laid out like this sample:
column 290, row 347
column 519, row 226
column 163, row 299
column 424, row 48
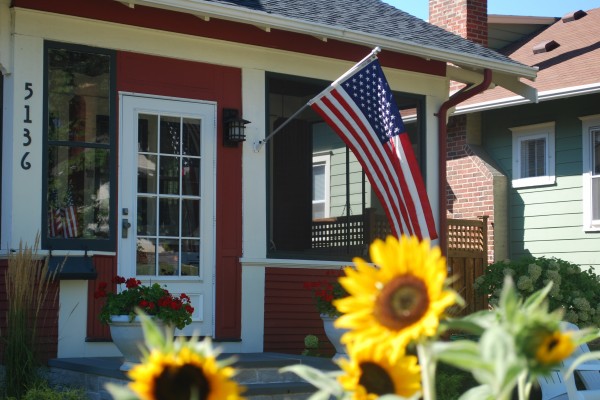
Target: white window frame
column 324, row 159
column 531, row 132
column 590, row 123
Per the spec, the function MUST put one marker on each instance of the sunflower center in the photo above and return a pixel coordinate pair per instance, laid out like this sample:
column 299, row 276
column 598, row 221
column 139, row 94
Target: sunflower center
column 552, row 344
column 375, row 379
column 402, row 302
column 181, row 382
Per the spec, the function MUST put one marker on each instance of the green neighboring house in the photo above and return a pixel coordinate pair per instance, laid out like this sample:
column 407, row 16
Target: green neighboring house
column 536, row 167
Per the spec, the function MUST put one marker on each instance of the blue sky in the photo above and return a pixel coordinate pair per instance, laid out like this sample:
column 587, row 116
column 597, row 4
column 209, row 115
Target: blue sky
column 537, row 8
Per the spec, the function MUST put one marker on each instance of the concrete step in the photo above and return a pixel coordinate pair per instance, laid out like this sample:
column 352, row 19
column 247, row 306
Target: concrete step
column 257, row 372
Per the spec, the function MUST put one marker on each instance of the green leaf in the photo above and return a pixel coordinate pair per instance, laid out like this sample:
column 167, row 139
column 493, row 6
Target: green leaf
column 321, row 380
column 538, row 298
column 154, row 337
column 470, row 324
column 463, row 354
column 481, row 392
column 119, row 392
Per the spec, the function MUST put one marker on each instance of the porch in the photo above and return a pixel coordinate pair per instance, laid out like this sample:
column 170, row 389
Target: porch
column 258, row 372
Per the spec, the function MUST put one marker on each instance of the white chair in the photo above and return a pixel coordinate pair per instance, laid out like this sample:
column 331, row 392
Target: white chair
column 554, row 387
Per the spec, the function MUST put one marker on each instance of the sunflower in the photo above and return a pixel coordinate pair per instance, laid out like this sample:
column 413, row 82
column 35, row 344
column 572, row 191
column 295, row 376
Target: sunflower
column 181, row 375
column 554, row 348
column 399, row 300
column 370, row 374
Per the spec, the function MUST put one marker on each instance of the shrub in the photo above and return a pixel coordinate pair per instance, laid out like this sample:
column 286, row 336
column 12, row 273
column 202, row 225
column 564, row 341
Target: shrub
column 574, row 290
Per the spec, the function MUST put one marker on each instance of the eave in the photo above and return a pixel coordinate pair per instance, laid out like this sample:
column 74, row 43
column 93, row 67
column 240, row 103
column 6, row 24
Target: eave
column 263, row 19
column 554, row 94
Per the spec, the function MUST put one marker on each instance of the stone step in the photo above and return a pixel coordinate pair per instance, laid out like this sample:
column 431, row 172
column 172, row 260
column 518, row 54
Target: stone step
column 257, row 372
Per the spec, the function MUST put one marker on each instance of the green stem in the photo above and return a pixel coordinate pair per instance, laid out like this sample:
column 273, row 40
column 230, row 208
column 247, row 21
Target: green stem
column 428, row 364
column 523, row 386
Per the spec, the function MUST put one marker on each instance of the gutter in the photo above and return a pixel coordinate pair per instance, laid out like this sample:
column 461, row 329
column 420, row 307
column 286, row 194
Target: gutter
column 547, row 95
column 267, row 21
column 442, row 114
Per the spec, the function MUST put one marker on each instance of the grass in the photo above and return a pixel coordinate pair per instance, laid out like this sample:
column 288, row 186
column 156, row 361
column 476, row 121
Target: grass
column 41, row 391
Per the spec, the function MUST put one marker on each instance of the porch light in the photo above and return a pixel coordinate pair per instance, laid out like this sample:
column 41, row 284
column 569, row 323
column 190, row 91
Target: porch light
column 233, row 127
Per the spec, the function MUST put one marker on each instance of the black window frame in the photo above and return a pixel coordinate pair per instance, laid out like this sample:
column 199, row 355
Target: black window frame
column 420, row 102
column 84, row 244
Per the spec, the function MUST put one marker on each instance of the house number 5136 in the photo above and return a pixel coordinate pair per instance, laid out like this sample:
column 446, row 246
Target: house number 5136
column 27, row 122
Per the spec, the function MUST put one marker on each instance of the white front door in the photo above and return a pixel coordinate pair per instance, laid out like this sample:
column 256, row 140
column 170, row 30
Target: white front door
column 167, row 199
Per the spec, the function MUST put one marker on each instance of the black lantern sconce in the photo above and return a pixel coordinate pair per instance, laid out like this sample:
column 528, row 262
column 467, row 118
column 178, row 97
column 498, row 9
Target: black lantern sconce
column 233, row 127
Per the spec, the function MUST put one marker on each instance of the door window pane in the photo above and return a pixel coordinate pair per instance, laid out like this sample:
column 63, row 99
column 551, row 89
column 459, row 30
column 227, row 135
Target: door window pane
column 169, row 197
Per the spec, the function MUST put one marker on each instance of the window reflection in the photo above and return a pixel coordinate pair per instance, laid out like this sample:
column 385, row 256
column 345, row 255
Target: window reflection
column 78, row 146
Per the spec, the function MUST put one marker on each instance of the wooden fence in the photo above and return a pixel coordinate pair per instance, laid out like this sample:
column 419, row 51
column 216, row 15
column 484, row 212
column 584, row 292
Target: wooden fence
column 467, row 259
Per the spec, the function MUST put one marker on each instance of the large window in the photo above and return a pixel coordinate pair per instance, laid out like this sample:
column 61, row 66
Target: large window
column 321, row 205
column 79, row 139
column 591, row 172
column 533, row 155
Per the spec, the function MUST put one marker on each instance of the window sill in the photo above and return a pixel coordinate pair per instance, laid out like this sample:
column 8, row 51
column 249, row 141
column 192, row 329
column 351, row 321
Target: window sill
column 531, row 182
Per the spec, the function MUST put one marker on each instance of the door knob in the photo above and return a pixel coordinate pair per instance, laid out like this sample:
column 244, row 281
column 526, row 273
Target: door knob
column 125, row 225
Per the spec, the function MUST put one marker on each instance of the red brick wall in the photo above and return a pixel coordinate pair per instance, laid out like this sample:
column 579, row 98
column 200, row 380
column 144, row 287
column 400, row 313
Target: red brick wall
column 466, row 18
column 469, row 192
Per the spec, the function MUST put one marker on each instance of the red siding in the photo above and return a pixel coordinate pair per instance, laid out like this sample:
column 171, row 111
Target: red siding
column 47, row 323
column 224, row 30
column 290, row 312
column 106, row 268
column 169, row 77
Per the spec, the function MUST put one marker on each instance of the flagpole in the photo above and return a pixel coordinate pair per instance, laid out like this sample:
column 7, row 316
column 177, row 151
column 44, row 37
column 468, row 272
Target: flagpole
column 258, row 145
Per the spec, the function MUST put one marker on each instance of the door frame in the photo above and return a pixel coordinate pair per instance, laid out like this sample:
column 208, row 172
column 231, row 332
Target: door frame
column 127, row 181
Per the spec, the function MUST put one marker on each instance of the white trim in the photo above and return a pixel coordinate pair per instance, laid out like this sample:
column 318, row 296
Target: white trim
column 284, row 263
column 324, row 159
column 530, row 132
column 547, row 95
column 253, row 17
column 589, row 123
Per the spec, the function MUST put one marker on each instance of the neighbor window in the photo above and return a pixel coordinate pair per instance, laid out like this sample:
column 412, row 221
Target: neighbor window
column 591, row 172
column 533, row 155
column 320, row 187
column 78, row 148
column 321, row 204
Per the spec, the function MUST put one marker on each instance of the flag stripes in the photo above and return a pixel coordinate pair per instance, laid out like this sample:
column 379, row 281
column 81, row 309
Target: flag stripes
column 362, row 111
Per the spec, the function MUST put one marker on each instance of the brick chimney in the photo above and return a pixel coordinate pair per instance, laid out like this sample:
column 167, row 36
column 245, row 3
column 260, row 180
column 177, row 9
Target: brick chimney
column 466, row 18
column 475, row 186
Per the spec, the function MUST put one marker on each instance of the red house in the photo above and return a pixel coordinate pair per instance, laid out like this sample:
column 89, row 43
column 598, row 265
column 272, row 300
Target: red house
column 116, row 150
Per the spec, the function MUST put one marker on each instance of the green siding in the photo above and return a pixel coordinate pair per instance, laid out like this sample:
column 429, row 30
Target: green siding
column 547, row 220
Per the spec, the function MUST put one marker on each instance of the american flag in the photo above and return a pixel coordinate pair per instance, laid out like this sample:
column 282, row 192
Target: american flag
column 55, row 225
column 70, row 214
column 361, row 109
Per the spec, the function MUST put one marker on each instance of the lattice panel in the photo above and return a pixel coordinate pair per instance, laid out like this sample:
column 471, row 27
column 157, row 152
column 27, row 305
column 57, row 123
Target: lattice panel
column 335, row 232
column 467, row 235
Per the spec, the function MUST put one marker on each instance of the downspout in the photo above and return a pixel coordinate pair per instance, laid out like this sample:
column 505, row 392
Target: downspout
column 455, row 99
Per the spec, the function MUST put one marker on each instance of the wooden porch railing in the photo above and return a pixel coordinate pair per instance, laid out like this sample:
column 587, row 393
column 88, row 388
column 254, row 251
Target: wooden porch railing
column 467, row 259
column 354, row 230
column 466, row 253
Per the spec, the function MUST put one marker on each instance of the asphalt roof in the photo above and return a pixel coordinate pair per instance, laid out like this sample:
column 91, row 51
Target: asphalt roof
column 574, row 64
column 371, row 17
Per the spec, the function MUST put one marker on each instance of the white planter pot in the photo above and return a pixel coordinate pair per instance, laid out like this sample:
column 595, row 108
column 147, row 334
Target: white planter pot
column 334, row 335
column 129, row 338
